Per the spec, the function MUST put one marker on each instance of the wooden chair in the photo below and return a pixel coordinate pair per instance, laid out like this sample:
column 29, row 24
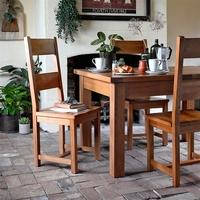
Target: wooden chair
column 45, row 81
column 138, row 47
column 178, row 121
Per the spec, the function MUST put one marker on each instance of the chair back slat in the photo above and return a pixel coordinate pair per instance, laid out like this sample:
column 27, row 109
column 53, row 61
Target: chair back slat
column 192, row 49
column 188, row 93
column 45, row 80
column 43, row 47
column 130, row 46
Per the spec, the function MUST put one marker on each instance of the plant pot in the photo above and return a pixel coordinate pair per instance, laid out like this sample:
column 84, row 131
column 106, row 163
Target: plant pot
column 24, row 129
column 108, row 59
column 9, row 124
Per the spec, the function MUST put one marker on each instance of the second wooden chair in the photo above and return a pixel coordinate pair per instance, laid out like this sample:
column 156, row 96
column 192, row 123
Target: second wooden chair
column 135, row 47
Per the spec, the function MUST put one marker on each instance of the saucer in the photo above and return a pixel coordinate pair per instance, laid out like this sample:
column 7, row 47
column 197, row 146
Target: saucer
column 99, row 70
column 157, row 72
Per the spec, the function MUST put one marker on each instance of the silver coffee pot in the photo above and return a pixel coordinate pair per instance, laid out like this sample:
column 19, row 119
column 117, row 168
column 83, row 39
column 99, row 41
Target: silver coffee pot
column 163, row 54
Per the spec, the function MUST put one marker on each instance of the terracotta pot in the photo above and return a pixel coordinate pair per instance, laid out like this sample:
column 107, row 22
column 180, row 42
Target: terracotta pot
column 142, row 67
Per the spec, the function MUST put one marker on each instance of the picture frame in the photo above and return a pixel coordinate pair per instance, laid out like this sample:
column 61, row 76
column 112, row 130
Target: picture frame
column 14, row 29
column 122, row 10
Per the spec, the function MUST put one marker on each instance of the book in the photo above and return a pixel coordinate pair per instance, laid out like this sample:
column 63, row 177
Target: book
column 69, row 105
column 71, row 110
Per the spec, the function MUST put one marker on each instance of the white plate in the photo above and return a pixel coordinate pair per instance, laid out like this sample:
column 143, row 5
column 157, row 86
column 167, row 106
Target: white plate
column 157, row 72
column 98, row 70
column 117, row 73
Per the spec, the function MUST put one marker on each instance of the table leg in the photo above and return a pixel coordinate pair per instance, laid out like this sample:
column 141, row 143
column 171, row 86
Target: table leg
column 117, row 130
column 85, row 97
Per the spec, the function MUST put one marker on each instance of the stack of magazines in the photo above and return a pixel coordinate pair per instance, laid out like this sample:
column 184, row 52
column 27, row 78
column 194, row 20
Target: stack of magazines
column 69, row 107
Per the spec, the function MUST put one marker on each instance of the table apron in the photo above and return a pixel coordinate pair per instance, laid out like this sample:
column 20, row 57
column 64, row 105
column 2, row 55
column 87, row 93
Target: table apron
column 97, row 86
column 142, row 89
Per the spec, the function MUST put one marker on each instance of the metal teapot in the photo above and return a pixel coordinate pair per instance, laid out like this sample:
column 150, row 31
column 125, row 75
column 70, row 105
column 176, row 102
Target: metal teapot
column 163, row 53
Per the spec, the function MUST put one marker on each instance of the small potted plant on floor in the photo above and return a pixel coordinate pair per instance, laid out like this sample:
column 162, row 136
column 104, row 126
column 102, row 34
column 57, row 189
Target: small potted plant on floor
column 24, row 125
column 13, row 101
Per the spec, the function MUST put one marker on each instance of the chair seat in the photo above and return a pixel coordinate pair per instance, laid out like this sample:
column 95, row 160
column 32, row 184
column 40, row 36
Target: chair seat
column 146, row 104
column 47, row 112
column 165, row 119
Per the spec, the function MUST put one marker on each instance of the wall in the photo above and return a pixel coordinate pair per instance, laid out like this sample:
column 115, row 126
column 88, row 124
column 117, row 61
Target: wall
column 89, row 29
column 12, row 52
column 180, row 16
column 182, row 19
column 88, row 32
column 40, row 22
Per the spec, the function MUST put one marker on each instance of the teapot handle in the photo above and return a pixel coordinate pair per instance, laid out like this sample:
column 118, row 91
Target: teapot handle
column 170, row 52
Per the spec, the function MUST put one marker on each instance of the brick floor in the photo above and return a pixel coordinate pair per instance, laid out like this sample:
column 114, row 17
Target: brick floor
column 19, row 179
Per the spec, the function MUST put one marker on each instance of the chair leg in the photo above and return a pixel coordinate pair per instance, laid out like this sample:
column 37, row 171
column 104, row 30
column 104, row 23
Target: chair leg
column 190, row 140
column 73, row 141
column 150, row 144
column 97, row 137
column 175, row 160
column 164, row 134
column 36, row 142
column 61, row 139
column 130, row 126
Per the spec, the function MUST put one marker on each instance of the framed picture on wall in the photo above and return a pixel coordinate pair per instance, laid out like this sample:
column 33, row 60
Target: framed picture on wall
column 12, row 20
column 114, row 9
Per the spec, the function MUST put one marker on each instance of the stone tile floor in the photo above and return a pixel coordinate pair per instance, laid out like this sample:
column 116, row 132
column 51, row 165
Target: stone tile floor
column 19, row 179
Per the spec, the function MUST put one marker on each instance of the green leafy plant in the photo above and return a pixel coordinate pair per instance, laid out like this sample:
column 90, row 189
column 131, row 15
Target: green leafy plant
column 19, row 79
column 67, row 20
column 101, row 41
column 13, row 99
column 10, row 14
column 19, row 75
column 24, row 120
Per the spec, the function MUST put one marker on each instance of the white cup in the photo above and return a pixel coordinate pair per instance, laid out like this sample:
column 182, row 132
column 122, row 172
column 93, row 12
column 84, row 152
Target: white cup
column 100, row 63
column 153, row 65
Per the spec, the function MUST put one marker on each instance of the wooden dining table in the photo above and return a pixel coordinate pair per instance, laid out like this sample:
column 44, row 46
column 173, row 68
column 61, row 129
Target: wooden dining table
column 118, row 88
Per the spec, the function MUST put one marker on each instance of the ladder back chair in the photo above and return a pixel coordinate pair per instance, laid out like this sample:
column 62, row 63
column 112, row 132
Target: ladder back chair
column 178, row 121
column 44, row 81
column 135, row 47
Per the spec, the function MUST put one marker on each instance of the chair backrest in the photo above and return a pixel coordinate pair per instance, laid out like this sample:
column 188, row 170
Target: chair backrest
column 130, row 46
column 42, row 81
column 185, row 48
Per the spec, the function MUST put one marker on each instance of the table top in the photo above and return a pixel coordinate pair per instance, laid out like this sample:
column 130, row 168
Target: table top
column 190, row 72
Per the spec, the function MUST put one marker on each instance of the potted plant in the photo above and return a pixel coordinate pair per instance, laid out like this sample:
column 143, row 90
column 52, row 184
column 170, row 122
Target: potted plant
column 106, row 50
column 67, row 20
column 13, row 101
column 19, row 77
column 24, row 125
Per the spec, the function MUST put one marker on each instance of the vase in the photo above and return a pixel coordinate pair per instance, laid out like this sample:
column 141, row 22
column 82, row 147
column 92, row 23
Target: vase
column 24, row 128
column 108, row 58
column 142, row 67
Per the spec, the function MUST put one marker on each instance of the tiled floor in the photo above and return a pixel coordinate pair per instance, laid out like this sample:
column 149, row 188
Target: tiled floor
column 19, row 179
